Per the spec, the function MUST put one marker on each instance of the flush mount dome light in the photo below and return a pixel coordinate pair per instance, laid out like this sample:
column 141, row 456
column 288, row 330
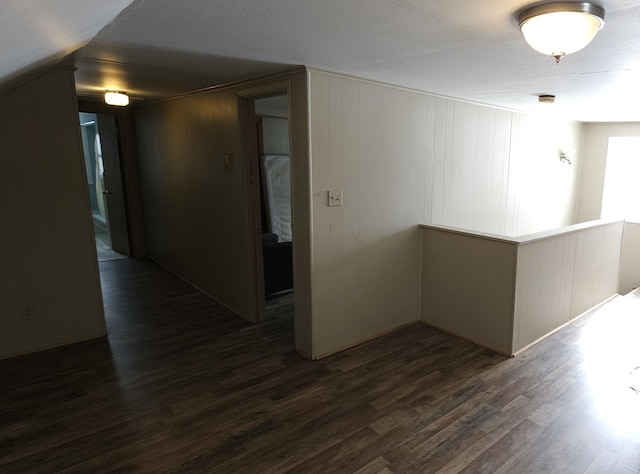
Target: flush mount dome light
column 116, row 98
column 561, row 28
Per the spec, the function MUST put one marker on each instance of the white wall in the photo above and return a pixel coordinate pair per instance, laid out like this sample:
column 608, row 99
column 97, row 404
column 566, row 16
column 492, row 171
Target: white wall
column 48, row 249
column 562, row 276
column 630, row 261
column 467, row 286
column 404, row 158
column 596, row 141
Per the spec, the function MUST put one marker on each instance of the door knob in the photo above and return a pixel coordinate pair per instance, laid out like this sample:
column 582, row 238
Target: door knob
column 106, row 192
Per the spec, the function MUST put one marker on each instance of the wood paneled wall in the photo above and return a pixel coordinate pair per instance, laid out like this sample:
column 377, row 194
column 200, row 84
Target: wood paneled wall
column 195, row 211
column 401, row 158
column 468, row 286
column 544, row 288
column 630, row 262
column 404, row 158
column 301, row 211
column 365, row 273
column 561, row 277
column 49, row 258
column 596, row 142
column 506, row 294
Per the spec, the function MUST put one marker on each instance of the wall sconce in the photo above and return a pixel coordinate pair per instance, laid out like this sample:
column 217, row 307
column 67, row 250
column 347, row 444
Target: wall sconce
column 565, row 156
column 116, row 98
column 561, row 28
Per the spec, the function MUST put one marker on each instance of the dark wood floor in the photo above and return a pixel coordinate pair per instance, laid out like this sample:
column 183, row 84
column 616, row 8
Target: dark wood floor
column 181, row 385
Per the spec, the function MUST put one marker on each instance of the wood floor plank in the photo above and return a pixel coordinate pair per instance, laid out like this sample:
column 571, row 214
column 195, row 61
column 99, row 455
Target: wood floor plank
column 182, row 385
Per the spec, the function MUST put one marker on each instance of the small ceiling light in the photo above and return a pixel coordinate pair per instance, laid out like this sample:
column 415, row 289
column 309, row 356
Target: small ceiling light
column 116, row 98
column 561, row 28
column 546, row 99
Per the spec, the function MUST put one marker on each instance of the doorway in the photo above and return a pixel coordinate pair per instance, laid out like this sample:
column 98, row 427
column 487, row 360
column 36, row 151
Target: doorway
column 104, row 180
column 270, row 193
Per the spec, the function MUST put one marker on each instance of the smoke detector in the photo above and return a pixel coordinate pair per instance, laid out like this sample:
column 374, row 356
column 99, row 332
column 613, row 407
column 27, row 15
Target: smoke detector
column 546, row 99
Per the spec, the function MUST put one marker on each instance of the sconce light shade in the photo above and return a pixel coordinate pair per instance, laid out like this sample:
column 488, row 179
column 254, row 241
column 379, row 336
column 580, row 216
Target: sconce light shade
column 561, row 28
column 116, row 98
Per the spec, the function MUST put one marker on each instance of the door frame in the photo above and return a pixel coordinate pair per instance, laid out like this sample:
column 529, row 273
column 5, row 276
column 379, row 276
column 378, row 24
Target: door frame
column 129, row 176
column 246, row 106
column 115, row 204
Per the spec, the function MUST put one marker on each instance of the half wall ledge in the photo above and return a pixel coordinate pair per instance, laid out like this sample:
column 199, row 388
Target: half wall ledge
column 507, row 293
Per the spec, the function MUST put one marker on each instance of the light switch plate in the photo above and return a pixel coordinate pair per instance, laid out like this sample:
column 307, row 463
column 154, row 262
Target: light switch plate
column 228, row 161
column 335, row 198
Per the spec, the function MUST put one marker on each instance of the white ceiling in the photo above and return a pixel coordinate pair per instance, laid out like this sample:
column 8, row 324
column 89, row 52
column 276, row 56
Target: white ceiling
column 35, row 32
column 466, row 49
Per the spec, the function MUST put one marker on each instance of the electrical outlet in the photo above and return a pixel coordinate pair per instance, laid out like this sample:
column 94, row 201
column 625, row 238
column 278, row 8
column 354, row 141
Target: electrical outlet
column 27, row 312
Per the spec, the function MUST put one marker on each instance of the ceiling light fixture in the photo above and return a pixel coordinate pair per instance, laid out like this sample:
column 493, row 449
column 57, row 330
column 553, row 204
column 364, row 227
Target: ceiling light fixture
column 561, row 28
column 117, row 98
column 546, row 99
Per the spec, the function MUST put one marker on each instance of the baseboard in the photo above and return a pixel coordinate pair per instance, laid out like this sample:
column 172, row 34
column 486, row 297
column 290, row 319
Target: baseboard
column 571, row 321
